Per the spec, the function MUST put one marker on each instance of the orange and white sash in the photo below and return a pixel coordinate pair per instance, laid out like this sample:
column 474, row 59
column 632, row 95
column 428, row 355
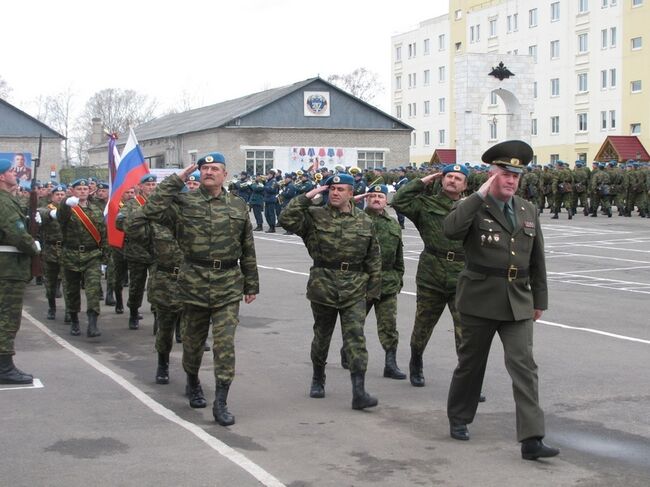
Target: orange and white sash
column 88, row 224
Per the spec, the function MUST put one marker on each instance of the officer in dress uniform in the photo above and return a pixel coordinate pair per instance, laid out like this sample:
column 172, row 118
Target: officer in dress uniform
column 501, row 290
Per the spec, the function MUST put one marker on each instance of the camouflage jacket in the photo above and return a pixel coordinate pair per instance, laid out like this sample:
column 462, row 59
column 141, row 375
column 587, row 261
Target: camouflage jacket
column 51, row 234
column 79, row 246
column 562, row 181
column 427, row 212
column 598, row 179
column 334, row 236
column 14, row 266
column 137, row 241
column 389, row 236
column 162, row 287
column 208, row 229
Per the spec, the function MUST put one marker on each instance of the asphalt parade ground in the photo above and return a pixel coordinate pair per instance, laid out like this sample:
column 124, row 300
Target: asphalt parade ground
column 95, row 415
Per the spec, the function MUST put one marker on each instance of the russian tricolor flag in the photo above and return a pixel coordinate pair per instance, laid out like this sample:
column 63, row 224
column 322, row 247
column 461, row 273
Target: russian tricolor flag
column 129, row 169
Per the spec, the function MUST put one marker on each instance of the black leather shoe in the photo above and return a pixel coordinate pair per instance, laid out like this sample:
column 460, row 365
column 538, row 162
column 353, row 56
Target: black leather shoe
column 481, row 398
column 458, row 431
column 317, row 388
column 534, row 448
column 416, row 374
column 195, row 392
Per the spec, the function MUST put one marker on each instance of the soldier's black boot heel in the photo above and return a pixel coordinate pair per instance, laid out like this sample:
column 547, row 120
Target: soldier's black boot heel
column 416, row 375
column 51, row 311
column 220, row 406
column 360, row 398
column 391, row 370
column 110, row 295
column 195, row 392
column 92, row 331
column 10, row 374
column 162, row 373
column 317, row 389
column 119, row 304
column 75, row 330
column 134, row 321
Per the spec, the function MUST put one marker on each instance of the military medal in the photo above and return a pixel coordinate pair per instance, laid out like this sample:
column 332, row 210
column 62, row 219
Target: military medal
column 482, row 239
column 496, row 237
column 529, row 224
column 489, row 239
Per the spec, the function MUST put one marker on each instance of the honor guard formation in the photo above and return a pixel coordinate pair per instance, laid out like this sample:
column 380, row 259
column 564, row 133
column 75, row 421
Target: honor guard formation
column 189, row 243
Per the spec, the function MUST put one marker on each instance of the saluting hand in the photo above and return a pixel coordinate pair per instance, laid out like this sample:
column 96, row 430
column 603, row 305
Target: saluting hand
column 317, row 190
column 485, row 187
column 427, row 180
column 187, row 171
column 361, row 196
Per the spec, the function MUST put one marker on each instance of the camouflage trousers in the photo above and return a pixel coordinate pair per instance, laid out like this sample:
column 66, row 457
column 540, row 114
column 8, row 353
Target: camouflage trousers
column 562, row 198
column 137, row 283
column 118, row 270
column 430, row 306
column 617, row 200
column 166, row 319
column 52, row 273
column 598, row 200
column 11, row 307
column 195, row 324
column 636, row 199
column 386, row 315
column 354, row 341
column 580, row 199
column 91, row 274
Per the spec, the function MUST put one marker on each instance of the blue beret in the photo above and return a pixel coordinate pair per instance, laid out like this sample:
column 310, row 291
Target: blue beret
column 91, row 179
column 340, row 179
column 601, row 165
column 60, row 187
column 102, row 185
column 5, row 165
column 455, row 168
column 612, row 164
column 211, row 158
column 379, row 188
column 148, row 178
column 195, row 176
column 25, row 185
column 79, row 182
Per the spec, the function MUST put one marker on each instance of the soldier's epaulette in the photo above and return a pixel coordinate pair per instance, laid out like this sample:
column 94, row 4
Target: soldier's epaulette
column 52, row 206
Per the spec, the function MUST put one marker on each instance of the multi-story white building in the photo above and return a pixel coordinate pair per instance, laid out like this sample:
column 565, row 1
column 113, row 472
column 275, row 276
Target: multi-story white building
column 580, row 70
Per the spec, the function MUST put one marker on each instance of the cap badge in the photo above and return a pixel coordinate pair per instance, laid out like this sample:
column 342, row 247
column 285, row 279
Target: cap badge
column 456, row 168
column 209, row 159
column 377, row 188
column 514, row 161
column 336, row 179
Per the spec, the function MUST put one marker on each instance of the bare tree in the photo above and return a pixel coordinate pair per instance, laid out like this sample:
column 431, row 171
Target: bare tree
column 58, row 114
column 5, row 89
column 361, row 83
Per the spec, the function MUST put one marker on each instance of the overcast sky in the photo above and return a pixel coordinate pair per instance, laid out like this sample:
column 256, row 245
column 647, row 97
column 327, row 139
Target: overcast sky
column 206, row 51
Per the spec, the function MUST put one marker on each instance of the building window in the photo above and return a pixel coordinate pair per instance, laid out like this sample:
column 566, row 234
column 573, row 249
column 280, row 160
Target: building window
column 427, row 108
column 637, row 3
column 492, row 25
column 555, row 49
column 637, row 43
column 412, row 80
column 414, row 139
column 441, row 74
column 441, row 105
column 427, row 138
column 555, row 124
column 493, row 130
column 442, row 43
column 603, row 39
column 603, row 120
column 458, row 14
column 535, row 89
column 398, row 82
column 554, row 158
column 259, row 161
column 612, row 78
column 370, row 160
column 635, row 86
column 612, row 37
column 471, row 34
column 441, row 137
column 509, row 24
column 603, row 79
column 603, row 4
column 533, row 126
column 398, row 53
column 583, row 6
column 398, row 111
column 555, row 11
column 555, row 87
column 412, row 109
column 532, row 17
column 427, row 77
column 582, row 83
column 583, row 43
column 427, row 47
column 582, row 122
column 532, row 51
column 493, row 98
column 412, row 48
column 635, row 128
column 612, row 119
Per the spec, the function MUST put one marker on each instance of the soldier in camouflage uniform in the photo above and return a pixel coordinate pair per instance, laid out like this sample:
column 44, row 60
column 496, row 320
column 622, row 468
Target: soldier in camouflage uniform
column 599, row 189
column 580, row 187
column 118, row 267
column 546, row 196
column 137, row 249
column 441, row 260
column 16, row 248
column 637, row 190
column 52, row 240
column 389, row 236
column 529, row 186
column 618, row 184
column 346, row 274
column 219, row 268
column 562, row 190
column 100, row 198
column 84, row 242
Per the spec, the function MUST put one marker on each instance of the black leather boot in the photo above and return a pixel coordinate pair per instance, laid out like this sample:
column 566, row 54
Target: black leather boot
column 51, row 311
column 74, row 326
column 258, row 228
column 10, row 374
column 416, row 375
column 110, row 295
column 555, row 216
column 534, row 448
column 220, row 407
column 344, row 360
column 585, row 211
column 119, row 304
column 360, row 398
column 57, row 291
column 134, row 321
column 162, row 373
column 195, row 392
column 66, row 317
column 317, row 389
column 92, row 330
column 391, row 370
column 270, row 230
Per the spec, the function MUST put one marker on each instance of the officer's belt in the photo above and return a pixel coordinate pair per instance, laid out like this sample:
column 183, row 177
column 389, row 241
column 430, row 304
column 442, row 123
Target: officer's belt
column 81, row 248
column 339, row 266
column 170, row 270
column 56, row 243
column 512, row 272
column 216, row 264
column 449, row 255
column 9, row 248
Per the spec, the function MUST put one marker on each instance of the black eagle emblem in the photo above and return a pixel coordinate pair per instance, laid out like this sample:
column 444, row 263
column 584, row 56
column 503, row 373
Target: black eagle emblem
column 501, row 72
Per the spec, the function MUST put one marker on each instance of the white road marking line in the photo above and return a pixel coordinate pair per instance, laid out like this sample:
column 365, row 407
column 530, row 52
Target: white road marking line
column 286, row 241
column 612, row 269
column 36, row 384
column 224, row 450
column 553, row 254
column 597, row 332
